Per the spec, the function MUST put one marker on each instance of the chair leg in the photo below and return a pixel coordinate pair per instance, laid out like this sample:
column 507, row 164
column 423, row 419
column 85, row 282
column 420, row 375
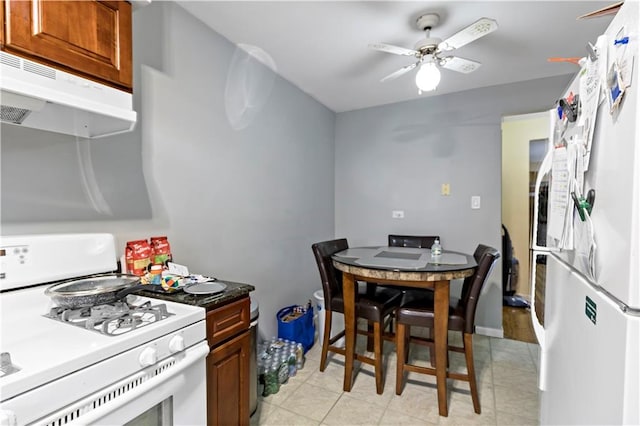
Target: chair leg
column 401, row 352
column 370, row 338
column 325, row 339
column 468, row 354
column 377, row 349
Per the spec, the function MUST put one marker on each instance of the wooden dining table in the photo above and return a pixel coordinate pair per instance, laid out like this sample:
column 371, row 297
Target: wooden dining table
column 403, row 267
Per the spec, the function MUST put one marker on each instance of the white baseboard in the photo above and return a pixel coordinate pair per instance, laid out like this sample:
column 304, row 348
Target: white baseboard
column 491, row 332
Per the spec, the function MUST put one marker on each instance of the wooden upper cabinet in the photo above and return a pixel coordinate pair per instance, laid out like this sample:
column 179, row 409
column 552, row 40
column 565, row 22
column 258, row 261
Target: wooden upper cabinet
column 88, row 38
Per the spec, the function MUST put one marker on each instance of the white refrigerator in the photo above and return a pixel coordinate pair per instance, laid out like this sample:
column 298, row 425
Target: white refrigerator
column 590, row 336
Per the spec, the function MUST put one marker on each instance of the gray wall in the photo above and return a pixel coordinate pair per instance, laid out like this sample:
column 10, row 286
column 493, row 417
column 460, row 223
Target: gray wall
column 396, row 157
column 242, row 202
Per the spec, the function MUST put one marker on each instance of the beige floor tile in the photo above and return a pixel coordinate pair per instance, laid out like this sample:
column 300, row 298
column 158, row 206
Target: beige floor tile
column 506, row 361
column 311, row 401
column 262, row 412
column 352, row 411
column 315, row 351
column 283, row 417
column 518, row 401
column 399, row 418
column 364, row 387
column 461, row 413
column 510, row 350
column 419, row 401
column 507, row 419
column 515, row 377
column 459, row 393
column 535, row 355
column 332, row 378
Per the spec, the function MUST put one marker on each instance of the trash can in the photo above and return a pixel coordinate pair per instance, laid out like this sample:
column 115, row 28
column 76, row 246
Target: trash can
column 337, row 321
column 253, row 368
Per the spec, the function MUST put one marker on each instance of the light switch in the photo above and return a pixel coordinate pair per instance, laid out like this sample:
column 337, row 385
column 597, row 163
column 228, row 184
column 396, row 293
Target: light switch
column 446, row 190
column 475, row 202
column 397, row 214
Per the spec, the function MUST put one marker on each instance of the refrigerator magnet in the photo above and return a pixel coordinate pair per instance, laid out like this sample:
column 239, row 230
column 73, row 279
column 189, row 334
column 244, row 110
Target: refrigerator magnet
column 615, row 87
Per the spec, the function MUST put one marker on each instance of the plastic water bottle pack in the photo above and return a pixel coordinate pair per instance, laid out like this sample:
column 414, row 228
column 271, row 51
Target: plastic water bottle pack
column 278, row 360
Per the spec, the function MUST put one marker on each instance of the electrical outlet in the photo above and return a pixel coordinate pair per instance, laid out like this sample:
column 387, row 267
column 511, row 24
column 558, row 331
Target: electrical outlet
column 475, row 202
column 446, row 189
column 397, row 214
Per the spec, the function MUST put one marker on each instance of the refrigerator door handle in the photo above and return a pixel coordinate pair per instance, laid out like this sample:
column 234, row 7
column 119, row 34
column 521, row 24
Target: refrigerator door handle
column 545, row 169
column 537, row 326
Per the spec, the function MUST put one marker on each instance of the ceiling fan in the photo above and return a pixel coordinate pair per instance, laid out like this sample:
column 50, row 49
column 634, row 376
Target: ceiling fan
column 430, row 51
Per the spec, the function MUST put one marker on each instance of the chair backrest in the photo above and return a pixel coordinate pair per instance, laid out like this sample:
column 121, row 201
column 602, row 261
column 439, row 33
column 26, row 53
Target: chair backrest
column 416, row 241
column 485, row 257
column 330, row 276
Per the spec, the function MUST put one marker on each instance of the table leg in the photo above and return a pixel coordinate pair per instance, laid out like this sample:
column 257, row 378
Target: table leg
column 349, row 294
column 441, row 318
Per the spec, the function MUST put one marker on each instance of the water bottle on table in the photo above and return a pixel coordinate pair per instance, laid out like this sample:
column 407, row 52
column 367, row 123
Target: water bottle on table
column 436, row 249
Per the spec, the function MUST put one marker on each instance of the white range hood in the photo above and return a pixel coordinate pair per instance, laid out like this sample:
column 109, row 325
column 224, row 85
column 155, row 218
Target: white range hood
column 37, row 96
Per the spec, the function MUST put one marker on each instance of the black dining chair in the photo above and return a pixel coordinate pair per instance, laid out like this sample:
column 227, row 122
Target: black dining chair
column 415, row 241
column 375, row 305
column 420, row 313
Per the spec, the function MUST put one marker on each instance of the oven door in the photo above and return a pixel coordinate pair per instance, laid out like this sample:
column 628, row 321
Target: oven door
column 171, row 392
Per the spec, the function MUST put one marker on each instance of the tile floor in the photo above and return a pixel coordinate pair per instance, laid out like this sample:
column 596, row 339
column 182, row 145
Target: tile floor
column 507, row 379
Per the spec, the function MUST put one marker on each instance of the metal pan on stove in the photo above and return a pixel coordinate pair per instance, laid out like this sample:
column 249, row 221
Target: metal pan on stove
column 94, row 290
column 207, row 287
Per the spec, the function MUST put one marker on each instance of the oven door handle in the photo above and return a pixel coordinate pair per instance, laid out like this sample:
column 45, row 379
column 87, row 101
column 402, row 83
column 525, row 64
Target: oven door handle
column 192, row 355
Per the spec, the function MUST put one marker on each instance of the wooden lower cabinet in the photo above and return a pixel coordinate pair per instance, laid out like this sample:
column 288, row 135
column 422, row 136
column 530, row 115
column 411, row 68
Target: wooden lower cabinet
column 228, row 382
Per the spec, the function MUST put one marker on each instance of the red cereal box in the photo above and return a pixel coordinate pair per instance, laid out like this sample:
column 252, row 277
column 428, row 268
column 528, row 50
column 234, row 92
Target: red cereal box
column 137, row 256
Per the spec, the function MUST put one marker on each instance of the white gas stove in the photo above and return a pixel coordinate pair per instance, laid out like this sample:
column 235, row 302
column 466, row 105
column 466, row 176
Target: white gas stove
column 60, row 368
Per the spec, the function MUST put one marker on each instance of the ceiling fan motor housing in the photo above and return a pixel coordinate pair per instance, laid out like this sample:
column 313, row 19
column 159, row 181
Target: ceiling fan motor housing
column 428, row 46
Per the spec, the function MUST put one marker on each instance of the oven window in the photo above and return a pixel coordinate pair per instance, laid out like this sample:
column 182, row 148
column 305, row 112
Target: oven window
column 160, row 414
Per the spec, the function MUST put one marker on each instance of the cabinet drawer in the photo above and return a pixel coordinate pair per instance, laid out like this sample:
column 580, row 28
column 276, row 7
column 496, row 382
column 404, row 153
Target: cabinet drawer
column 227, row 321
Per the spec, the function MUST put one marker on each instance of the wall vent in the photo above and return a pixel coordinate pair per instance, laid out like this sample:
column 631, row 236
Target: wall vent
column 38, row 69
column 10, row 60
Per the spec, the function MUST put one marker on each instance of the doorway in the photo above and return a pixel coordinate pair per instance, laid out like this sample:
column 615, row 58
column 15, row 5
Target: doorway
column 523, row 147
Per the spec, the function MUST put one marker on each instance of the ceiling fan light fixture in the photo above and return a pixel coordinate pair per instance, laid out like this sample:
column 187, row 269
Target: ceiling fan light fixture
column 428, row 77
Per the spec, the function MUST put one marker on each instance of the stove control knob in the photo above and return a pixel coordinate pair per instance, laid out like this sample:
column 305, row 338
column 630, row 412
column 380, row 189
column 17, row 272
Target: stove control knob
column 176, row 344
column 148, row 356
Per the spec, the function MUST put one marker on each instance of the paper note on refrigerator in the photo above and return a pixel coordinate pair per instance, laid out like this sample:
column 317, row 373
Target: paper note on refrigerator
column 589, row 89
column 585, row 247
column 559, row 197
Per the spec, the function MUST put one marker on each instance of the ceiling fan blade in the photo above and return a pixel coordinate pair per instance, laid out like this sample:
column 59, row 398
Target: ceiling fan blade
column 398, row 73
column 480, row 28
column 388, row 48
column 462, row 65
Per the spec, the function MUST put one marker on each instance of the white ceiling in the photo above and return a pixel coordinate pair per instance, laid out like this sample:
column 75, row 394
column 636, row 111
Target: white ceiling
column 322, row 46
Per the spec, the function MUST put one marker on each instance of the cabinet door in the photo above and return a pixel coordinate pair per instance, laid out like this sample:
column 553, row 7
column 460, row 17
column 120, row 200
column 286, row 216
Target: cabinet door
column 88, row 38
column 228, row 382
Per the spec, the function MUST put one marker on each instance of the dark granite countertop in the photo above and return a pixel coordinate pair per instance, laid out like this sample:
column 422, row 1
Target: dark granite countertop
column 234, row 291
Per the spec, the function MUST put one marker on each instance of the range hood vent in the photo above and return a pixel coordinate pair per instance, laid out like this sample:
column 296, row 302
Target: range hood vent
column 41, row 97
column 12, row 115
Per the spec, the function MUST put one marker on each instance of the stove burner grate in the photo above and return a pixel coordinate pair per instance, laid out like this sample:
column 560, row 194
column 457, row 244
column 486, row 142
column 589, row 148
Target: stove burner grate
column 111, row 319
